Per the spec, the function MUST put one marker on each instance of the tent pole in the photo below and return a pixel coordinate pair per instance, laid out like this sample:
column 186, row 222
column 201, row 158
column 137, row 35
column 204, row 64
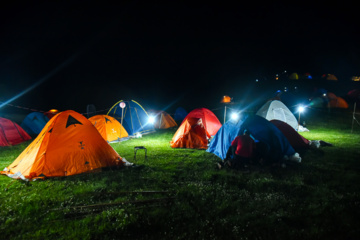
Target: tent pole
column 225, row 116
column 122, row 117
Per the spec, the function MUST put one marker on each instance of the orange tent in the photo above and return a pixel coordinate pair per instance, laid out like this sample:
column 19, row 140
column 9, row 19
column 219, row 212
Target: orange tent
column 11, row 133
column 330, row 77
column 68, row 144
column 163, row 120
column 191, row 134
column 109, row 128
column 337, row 102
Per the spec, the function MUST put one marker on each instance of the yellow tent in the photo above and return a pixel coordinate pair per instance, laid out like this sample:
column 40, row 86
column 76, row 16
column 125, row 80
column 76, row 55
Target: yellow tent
column 109, row 128
column 294, row 76
column 68, row 144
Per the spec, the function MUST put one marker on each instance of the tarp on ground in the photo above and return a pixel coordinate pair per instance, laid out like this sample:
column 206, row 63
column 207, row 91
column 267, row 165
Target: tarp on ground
column 260, row 129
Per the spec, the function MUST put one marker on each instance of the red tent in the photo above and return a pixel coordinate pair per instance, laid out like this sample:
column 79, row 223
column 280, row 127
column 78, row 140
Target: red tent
column 297, row 141
column 11, row 133
column 191, row 134
column 210, row 121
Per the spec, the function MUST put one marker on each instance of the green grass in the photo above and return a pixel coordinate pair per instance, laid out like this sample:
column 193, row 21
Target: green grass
column 180, row 194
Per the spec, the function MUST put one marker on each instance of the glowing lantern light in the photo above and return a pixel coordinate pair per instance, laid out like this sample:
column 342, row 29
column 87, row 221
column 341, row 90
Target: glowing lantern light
column 151, row 119
column 235, row 116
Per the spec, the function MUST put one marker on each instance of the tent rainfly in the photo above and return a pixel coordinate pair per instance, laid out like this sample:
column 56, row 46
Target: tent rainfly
column 275, row 109
column 109, row 128
column 133, row 117
column 11, row 133
column 68, row 144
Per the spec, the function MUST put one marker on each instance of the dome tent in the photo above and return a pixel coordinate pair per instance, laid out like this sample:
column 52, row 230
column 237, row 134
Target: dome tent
column 34, row 122
column 260, row 129
column 109, row 128
column 163, row 120
column 135, row 118
column 191, row 134
column 209, row 119
column 11, row 133
column 68, row 144
column 275, row 109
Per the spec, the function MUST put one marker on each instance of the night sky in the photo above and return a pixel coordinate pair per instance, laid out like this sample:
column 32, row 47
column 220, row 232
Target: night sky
column 166, row 54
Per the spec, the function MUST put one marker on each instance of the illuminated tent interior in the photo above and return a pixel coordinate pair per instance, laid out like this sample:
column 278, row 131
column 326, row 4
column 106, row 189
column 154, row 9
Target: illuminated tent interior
column 275, row 109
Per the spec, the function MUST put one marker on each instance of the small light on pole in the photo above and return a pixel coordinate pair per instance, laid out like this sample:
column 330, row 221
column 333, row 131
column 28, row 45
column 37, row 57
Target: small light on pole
column 122, row 105
column 151, row 119
column 300, row 110
column 234, row 116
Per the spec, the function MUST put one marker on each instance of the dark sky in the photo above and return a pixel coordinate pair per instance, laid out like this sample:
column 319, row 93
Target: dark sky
column 162, row 53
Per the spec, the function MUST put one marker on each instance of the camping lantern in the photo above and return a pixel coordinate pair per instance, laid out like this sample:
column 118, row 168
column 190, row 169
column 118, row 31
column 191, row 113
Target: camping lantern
column 234, row 116
column 300, row 110
column 122, row 105
column 151, row 119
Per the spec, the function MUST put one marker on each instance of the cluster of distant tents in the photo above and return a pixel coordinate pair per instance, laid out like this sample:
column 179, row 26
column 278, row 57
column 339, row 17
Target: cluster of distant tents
column 69, row 143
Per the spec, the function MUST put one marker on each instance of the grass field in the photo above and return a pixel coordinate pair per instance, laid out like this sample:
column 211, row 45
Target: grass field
column 180, row 194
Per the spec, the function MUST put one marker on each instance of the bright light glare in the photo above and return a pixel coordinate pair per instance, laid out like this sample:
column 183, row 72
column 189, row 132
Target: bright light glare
column 301, row 109
column 234, row 116
column 151, row 119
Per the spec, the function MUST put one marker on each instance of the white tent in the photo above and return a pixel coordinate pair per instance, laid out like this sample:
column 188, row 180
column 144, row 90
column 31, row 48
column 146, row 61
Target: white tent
column 275, row 109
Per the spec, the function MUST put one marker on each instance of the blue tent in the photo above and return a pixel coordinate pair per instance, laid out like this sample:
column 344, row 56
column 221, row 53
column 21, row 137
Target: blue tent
column 34, row 122
column 260, row 129
column 180, row 114
column 135, row 119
